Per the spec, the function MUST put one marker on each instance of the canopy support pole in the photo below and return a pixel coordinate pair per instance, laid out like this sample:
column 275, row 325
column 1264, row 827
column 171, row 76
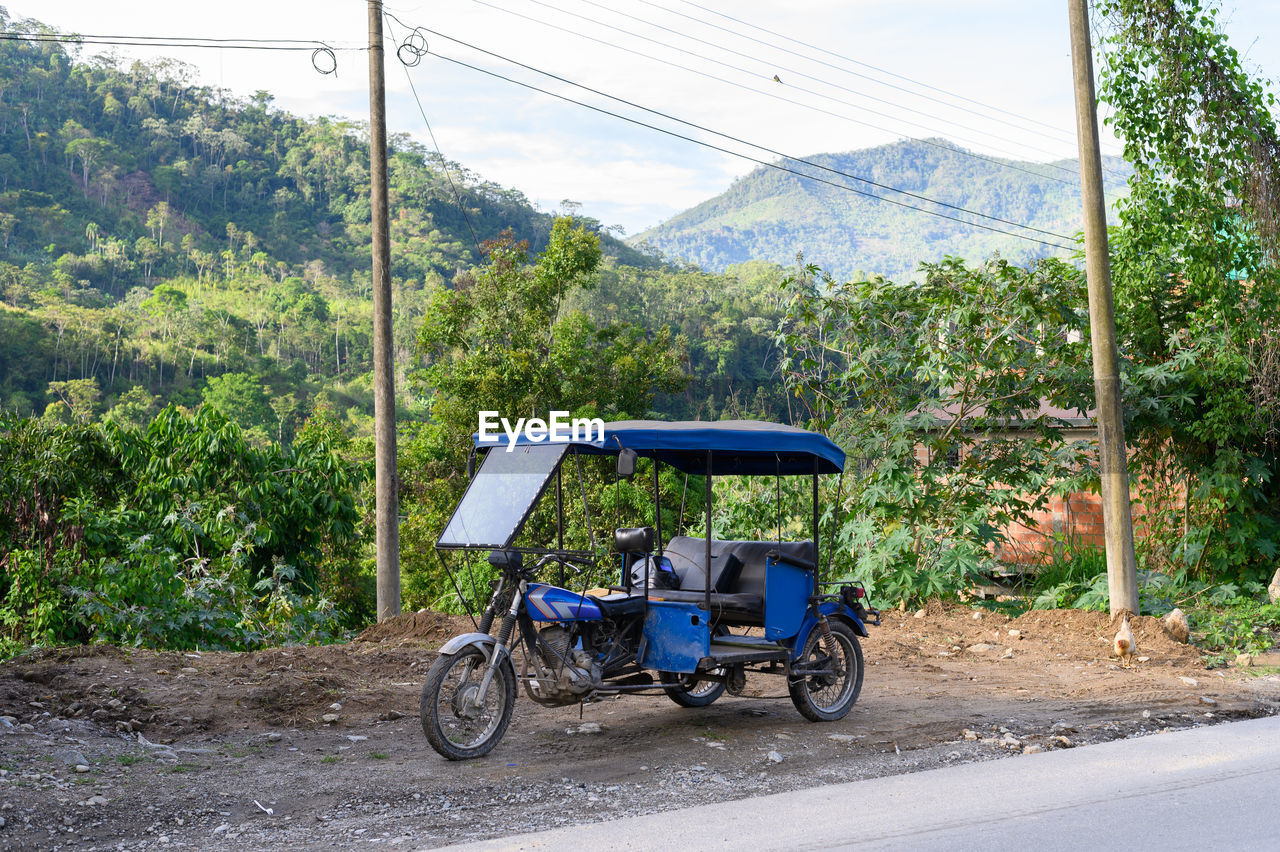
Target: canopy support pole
column 706, row 574
column 560, row 515
column 816, row 562
column 657, row 507
column 684, row 490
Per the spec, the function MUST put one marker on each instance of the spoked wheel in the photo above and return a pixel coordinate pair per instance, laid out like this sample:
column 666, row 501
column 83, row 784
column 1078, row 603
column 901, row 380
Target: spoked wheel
column 458, row 723
column 689, row 690
column 828, row 696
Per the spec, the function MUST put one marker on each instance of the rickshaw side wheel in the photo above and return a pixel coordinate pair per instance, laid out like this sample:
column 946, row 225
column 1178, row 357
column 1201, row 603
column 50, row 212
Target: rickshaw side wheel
column 826, row 698
column 689, row 690
column 455, row 729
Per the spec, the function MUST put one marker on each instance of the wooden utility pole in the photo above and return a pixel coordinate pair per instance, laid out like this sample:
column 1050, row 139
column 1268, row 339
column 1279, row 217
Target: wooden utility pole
column 386, row 486
column 1117, row 518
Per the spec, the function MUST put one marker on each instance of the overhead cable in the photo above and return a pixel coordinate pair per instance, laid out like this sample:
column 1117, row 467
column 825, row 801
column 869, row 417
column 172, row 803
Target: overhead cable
column 791, row 72
column 857, row 62
column 323, row 57
column 747, row 157
column 774, row 95
column 419, row 47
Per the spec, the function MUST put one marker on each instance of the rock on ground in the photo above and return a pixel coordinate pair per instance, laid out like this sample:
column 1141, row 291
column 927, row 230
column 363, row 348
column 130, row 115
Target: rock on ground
column 1176, row 625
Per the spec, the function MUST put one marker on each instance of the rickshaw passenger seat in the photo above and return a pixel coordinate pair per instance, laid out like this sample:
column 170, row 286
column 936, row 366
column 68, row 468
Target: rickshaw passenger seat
column 737, row 573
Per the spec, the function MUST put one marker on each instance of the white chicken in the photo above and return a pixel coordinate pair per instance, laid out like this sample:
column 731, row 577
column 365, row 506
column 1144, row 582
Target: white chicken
column 1125, row 646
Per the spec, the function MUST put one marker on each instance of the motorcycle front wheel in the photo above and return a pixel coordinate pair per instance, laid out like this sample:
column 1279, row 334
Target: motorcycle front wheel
column 458, row 723
column 829, row 696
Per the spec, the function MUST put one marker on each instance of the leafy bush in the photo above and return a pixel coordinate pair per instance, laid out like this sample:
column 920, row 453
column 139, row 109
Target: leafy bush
column 182, row 535
column 1245, row 626
column 937, row 390
column 1074, row 577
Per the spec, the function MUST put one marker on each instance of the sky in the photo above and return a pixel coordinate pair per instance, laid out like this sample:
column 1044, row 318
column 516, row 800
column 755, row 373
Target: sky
column 993, row 76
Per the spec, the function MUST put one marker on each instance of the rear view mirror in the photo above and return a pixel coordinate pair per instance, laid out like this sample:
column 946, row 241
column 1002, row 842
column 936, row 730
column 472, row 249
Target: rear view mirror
column 471, row 463
column 626, row 464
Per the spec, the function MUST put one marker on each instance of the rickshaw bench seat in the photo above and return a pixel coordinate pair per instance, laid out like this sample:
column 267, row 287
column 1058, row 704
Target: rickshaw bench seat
column 737, row 605
column 737, row 573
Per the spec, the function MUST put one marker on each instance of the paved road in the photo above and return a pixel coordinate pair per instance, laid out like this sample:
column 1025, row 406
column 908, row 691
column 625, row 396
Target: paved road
column 1206, row 788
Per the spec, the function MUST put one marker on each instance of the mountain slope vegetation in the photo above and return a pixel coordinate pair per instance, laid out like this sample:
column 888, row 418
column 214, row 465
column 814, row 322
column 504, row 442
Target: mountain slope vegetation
column 773, row 215
column 162, row 241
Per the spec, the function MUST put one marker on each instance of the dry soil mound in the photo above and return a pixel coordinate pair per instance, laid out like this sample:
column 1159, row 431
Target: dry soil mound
column 421, row 626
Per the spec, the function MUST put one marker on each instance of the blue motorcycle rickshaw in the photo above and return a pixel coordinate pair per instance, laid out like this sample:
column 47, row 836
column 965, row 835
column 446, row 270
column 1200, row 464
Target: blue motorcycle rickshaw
column 688, row 617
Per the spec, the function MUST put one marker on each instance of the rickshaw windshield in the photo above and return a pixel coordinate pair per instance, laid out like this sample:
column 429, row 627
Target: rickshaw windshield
column 501, row 496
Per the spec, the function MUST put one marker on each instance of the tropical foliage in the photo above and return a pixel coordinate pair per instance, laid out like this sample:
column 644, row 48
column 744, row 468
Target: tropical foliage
column 180, row 535
column 1198, row 286
column 185, row 351
column 938, row 392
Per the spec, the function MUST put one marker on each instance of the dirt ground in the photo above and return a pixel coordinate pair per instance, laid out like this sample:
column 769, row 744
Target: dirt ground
column 104, row 748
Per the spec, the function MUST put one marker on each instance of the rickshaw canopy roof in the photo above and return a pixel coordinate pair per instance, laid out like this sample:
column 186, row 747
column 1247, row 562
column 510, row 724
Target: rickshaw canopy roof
column 752, row 447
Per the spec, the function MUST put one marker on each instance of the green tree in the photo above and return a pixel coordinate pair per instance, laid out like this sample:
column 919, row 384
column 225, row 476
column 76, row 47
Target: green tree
column 134, row 408
column 241, row 398
column 89, row 152
column 76, row 400
column 936, row 391
column 498, row 341
column 1197, row 284
column 158, row 218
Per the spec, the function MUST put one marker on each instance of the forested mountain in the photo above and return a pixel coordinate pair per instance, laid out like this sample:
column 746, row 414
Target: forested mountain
column 773, row 215
column 157, row 234
column 163, row 241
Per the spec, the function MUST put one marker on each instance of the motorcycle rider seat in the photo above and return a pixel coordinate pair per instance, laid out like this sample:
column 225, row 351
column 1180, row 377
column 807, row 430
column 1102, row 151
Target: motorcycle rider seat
column 620, row 605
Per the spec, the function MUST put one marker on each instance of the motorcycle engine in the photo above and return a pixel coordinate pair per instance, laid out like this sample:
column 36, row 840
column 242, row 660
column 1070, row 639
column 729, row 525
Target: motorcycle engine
column 557, row 639
column 564, row 672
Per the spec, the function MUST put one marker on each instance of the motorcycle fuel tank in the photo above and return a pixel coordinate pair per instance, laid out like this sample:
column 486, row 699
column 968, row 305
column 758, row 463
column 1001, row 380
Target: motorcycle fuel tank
column 552, row 603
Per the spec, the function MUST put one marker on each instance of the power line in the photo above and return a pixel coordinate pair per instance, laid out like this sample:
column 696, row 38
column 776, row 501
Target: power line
column 791, row 71
column 323, row 57
column 751, row 73
column 285, row 43
column 740, row 155
column 421, row 47
column 971, row 154
column 1058, row 134
column 457, row 198
column 860, row 63
column 1062, row 135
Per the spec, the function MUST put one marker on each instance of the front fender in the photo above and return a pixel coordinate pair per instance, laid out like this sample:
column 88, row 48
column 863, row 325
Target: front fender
column 483, row 641
column 832, row 610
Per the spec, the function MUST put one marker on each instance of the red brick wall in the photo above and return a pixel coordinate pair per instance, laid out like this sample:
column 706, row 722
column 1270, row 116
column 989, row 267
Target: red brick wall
column 1074, row 520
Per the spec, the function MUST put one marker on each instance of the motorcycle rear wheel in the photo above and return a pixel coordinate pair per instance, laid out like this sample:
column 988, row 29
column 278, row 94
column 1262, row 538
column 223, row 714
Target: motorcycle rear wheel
column 689, row 690
column 455, row 727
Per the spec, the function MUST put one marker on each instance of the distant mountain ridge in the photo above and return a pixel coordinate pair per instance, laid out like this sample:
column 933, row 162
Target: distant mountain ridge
column 773, row 215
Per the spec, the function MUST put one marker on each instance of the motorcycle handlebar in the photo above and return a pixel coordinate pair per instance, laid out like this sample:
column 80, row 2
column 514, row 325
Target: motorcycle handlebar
column 564, row 558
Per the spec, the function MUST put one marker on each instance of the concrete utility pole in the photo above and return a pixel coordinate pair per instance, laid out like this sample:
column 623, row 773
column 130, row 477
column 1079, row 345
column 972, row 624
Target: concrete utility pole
column 1117, row 518
column 386, row 490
